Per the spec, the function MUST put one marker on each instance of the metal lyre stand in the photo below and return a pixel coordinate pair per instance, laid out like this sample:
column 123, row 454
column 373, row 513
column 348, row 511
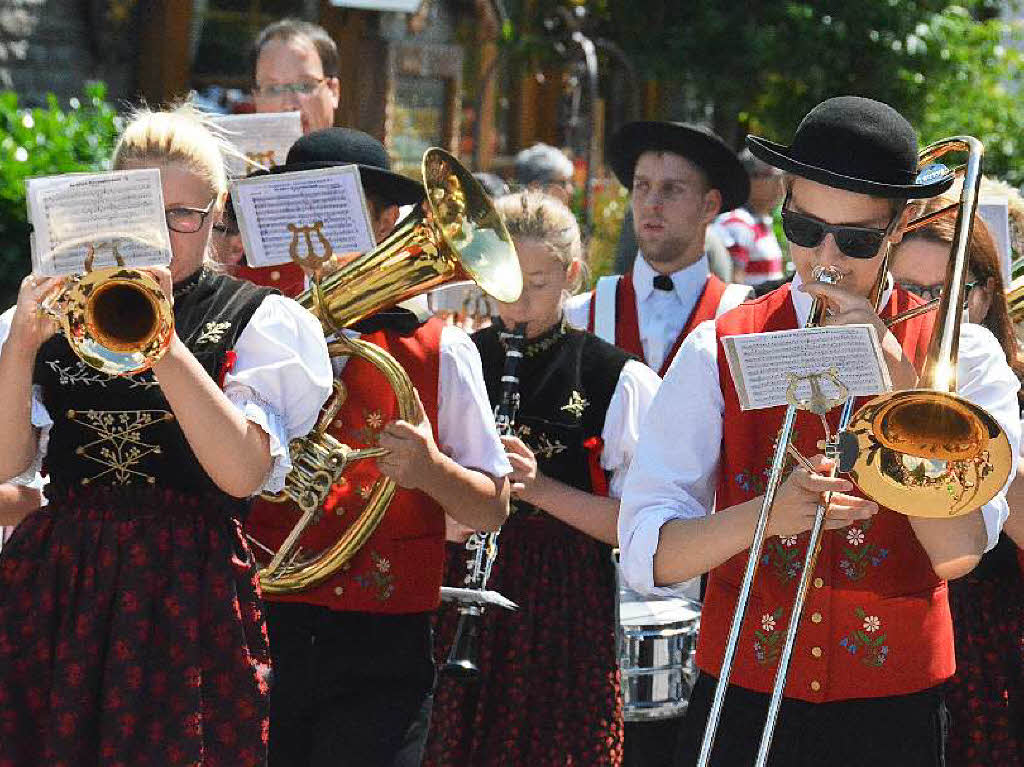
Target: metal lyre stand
column 836, row 447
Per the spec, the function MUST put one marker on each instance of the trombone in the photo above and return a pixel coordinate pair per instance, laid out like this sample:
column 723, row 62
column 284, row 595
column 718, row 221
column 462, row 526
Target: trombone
column 902, row 449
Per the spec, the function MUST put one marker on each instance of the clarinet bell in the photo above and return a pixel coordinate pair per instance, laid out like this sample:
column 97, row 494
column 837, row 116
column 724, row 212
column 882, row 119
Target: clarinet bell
column 465, row 653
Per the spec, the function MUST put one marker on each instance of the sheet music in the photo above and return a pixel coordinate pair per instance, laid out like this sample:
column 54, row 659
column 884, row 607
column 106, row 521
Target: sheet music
column 759, row 363
column 119, row 209
column 267, row 205
column 264, row 138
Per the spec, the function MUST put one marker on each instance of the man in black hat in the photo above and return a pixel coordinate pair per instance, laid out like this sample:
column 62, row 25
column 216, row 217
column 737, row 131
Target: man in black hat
column 681, row 177
column 875, row 643
column 353, row 670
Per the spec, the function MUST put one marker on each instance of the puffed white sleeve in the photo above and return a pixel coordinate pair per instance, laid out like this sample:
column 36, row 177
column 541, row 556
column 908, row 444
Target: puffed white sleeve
column 627, row 408
column 465, row 421
column 40, row 419
column 577, row 310
column 281, row 377
column 985, row 378
column 674, row 471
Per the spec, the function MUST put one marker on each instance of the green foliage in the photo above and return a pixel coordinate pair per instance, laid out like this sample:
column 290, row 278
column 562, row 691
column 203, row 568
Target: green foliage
column 43, row 142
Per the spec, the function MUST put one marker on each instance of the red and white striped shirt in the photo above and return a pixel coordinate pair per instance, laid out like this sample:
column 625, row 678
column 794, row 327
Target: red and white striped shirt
column 752, row 244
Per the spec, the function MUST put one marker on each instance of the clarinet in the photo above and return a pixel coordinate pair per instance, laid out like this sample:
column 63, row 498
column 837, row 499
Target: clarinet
column 483, row 547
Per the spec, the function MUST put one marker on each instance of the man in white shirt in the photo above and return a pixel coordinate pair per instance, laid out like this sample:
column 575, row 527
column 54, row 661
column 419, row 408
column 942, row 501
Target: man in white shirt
column 681, row 177
column 876, row 643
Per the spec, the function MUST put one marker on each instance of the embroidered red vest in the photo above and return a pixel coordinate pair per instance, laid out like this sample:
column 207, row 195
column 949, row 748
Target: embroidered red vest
column 288, row 278
column 627, row 323
column 876, row 621
column 399, row 568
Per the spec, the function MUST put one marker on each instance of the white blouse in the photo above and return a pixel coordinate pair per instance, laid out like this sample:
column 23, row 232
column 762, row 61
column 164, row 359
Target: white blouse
column 675, row 472
column 627, row 409
column 280, row 380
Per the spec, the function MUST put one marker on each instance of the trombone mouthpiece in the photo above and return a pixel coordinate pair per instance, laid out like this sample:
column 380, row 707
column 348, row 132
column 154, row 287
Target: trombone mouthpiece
column 827, row 274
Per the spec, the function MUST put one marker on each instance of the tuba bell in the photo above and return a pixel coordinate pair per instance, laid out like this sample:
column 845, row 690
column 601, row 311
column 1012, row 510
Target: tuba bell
column 455, row 235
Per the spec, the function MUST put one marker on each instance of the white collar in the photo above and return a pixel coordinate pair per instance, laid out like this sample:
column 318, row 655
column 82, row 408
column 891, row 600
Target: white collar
column 687, row 281
column 802, row 301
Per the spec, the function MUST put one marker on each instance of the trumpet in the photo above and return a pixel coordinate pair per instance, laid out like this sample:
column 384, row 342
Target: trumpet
column 117, row 319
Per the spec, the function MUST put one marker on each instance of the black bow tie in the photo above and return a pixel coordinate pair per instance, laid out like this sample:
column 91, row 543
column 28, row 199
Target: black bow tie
column 663, row 282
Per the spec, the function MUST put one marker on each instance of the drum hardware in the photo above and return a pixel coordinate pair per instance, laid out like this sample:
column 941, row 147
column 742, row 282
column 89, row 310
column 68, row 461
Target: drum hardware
column 925, row 429
column 455, row 235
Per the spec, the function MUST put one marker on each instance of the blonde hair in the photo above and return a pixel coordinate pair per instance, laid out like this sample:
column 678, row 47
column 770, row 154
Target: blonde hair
column 181, row 135
column 534, row 215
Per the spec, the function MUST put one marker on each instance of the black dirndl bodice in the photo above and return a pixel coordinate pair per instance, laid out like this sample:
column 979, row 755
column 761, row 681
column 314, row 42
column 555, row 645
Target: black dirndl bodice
column 131, row 628
column 560, row 644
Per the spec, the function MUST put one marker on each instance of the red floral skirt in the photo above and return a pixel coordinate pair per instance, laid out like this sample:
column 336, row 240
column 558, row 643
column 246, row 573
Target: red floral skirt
column 548, row 693
column 986, row 695
column 131, row 633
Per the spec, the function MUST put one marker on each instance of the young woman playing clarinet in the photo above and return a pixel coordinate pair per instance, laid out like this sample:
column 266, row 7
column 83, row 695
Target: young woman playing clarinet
column 548, row 692
column 131, row 629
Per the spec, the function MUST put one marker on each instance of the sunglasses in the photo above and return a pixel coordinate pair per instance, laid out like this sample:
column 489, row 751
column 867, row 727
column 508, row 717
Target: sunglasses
column 852, row 241
column 931, row 292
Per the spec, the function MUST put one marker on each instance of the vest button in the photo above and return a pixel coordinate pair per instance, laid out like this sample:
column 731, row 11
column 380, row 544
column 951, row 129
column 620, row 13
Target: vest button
column 338, row 591
column 816, row 618
column 818, row 583
column 816, row 652
column 275, row 275
column 816, row 685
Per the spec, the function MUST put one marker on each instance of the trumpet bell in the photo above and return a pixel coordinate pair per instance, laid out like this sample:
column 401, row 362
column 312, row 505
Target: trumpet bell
column 117, row 319
column 926, row 453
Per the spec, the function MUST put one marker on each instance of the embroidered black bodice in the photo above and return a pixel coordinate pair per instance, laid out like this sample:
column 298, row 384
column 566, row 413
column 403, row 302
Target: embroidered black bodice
column 119, row 432
column 567, row 379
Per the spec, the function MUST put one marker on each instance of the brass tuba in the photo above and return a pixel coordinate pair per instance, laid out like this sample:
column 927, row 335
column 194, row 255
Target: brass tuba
column 455, row 234
column 117, row 319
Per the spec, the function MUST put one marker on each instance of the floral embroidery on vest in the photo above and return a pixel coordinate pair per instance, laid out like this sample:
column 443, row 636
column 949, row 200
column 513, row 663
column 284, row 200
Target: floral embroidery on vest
column 858, row 553
column 768, row 638
column 213, row 332
column 869, row 638
column 379, row 579
column 784, row 557
column 374, row 423
column 753, row 481
column 85, row 375
column 119, row 446
column 576, row 405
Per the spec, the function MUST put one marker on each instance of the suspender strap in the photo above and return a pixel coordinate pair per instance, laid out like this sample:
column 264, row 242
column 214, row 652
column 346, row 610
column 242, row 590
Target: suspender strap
column 604, row 308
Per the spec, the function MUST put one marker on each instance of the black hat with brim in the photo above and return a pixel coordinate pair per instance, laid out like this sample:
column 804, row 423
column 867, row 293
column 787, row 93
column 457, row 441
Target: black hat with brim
column 694, row 142
column 858, row 145
column 332, row 147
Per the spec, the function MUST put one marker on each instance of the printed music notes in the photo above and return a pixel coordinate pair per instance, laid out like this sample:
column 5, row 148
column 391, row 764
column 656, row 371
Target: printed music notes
column 312, row 212
column 764, row 365
column 263, row 140
column 120, row 213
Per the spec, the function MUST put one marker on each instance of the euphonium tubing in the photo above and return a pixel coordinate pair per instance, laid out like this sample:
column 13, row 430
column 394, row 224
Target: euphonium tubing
column 457, row 234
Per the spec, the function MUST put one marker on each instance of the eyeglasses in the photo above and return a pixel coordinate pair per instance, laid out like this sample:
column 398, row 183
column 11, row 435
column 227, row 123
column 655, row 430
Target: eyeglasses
column 931, row 292
column 281, row 90
column 853, row 241
column 226, row 228
column 187, row 220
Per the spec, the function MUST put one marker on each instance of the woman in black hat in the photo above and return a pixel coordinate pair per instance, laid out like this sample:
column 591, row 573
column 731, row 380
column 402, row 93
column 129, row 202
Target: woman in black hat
column 876, row 641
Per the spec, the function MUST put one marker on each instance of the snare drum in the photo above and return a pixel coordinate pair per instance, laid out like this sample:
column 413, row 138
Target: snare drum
column 656, row 643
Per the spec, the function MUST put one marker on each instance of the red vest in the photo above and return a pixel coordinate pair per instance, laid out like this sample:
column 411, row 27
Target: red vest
column 399, row 568
column 627, row 323
column 288, row 278
column 876, row 621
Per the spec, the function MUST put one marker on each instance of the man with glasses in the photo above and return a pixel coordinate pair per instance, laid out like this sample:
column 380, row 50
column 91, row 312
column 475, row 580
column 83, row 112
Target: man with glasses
column 876, row 642
column 295, row 67
column 681, row 177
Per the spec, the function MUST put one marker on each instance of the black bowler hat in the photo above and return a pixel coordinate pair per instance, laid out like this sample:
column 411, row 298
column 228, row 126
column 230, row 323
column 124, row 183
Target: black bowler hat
column 331, row 147
column 697, row 144
column 856, row 144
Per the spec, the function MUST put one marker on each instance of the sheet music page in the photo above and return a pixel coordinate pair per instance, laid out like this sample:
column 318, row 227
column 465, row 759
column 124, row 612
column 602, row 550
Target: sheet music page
column 760, row 362
column 264, row 138
column 122, row 210
column 278, row 213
